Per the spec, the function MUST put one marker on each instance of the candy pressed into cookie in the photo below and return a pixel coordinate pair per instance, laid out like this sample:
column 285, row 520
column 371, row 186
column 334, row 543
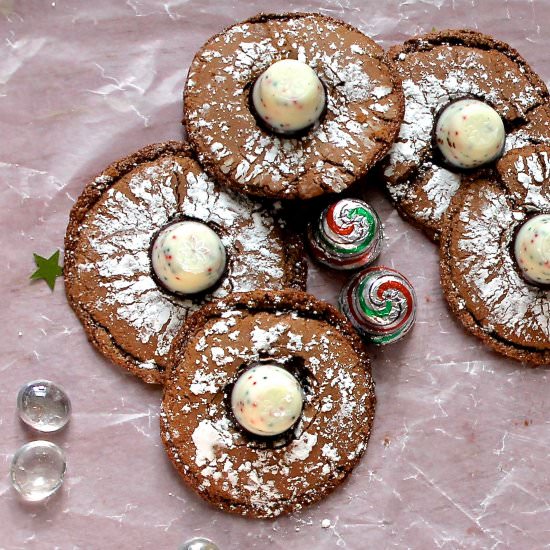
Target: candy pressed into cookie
column 468, row 98
column 495, row 256
column 291, row 105
column 134, row 211
column 222, row 426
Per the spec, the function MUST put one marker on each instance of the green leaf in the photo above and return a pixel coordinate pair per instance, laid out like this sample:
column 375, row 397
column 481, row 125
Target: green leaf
column 48, row 268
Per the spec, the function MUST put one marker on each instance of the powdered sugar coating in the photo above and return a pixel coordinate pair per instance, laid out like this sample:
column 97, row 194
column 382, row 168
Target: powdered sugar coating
column 364, row 106
column 526, row 172
column 111, row 262
column 480, row 275
column 517, row 311
column 245, row 474
column 436, row 73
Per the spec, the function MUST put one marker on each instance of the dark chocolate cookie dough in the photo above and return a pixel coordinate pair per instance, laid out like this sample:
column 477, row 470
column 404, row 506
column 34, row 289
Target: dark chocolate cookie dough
column 436, row 69
column 364, row 109
column 108, row 277
column 480, row 276
column 245, row 474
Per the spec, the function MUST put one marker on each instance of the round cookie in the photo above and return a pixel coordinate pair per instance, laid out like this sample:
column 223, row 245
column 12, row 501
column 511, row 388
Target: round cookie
column 437, row 69
column 363, row 112
column 482, row 280
column 233, row 469
column 109, row 281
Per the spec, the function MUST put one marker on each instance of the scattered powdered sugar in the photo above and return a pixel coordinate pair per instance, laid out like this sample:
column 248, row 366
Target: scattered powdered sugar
column 300, row 448
column 206, row 383
column 425, row 93
column 532, row 171
column 416, row 130
column 263, row 340
column 440, row 189
column 355, row 102
column 327, row 404
column 209, row 435
column 330, row 452
column 516, row 311
column 331, row 424
column 119, row 233
column 354, row 82
column 294, row 341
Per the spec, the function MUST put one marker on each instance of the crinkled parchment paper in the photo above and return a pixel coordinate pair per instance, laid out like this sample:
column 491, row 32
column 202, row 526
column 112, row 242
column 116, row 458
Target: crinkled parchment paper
column 459, row 454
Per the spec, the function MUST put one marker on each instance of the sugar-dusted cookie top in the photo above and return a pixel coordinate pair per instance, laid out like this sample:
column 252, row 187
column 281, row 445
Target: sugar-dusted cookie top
column 128, row 313
column 495, row 256
column 364, row 106
column 238, row 471
column 438, row 69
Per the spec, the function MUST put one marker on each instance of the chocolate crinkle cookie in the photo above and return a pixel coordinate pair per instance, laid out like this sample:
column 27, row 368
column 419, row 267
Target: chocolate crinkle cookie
column 254, row 475
column 439, row 69
column 495, row 256
column 127, row 311
column 361, row 118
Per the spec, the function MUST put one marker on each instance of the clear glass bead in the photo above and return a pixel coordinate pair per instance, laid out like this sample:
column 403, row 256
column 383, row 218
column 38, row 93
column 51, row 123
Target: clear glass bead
column 37, row 470
column 43, row 405
column 199, row 543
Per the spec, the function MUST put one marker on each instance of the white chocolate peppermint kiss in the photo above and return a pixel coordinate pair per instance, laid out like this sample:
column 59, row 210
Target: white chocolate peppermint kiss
column 532, row 249
column 267, row 400
column 188, row 257
column 469, row 133
column 288, row 96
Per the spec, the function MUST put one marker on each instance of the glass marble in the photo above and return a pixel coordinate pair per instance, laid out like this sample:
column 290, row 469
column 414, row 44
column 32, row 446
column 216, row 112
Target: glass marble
column 43, row 405
column 198, row 543
column 37, row 470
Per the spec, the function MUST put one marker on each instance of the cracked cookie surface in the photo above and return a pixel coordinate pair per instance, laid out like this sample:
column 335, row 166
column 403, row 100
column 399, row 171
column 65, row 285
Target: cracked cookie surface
column 436, row 69
column 364, row 106
column 242, row 473
column 480, row 277
column 108, row 277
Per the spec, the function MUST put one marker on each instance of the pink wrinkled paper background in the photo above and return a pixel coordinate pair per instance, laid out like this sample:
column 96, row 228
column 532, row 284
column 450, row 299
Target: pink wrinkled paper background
column 459, row 455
